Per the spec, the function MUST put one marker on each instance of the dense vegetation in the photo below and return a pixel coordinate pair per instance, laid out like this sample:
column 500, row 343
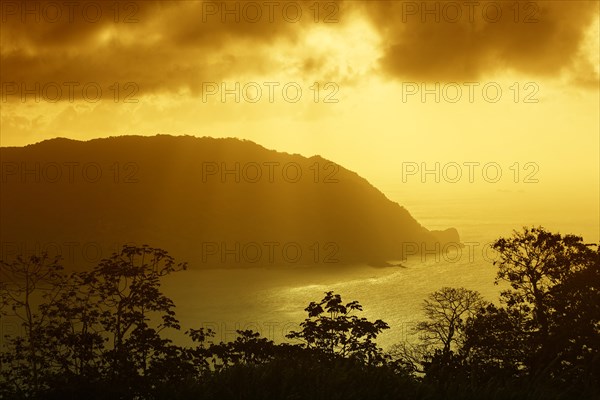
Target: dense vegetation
column 98, row 335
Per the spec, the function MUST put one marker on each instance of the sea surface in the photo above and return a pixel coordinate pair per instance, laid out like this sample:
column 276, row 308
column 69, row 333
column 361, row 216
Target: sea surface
column 271, row 299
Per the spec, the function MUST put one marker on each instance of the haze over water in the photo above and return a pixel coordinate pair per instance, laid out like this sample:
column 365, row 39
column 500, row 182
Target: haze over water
column 271, row 300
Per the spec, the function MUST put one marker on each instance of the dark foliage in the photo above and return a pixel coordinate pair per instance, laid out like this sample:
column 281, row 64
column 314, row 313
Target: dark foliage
column 98, row 335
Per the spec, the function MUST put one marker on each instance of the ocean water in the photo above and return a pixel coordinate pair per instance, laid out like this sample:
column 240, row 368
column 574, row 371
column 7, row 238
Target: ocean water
column 271, row 300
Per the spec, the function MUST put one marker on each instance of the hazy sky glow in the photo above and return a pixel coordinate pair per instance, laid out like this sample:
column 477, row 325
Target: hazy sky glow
column 507, row 82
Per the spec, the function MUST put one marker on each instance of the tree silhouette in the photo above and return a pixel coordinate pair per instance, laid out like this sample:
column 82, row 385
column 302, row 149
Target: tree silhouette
column 441, row 334
column 497, row 344
column 331, row 329
column 99, row 334
column 247, row 349
column 535, row 263
column 447, row 310
column 25, row 283
column 74, row 317
column 574, row 326
column 127, row 286
column 547, row 330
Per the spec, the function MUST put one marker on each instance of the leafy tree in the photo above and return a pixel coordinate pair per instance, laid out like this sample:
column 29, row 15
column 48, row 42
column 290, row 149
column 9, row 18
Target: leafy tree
column 574, row 327
column 496, row 344
column 536, row 263
column 99, row 335
column 546, row 332
column 247, row 349
column 91, row 326
column 25, row 283
column 333, row 330
column 127, row 288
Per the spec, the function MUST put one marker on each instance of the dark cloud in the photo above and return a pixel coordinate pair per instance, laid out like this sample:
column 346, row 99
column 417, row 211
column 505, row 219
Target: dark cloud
column 449, row 40
column 172, row 45
column 166, row 46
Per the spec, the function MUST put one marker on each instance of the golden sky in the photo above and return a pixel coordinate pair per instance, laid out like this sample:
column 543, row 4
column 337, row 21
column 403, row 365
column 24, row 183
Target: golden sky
column 381, row 87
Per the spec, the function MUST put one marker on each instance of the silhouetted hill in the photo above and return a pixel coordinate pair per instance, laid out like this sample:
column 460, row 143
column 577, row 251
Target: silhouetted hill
column 211, row 202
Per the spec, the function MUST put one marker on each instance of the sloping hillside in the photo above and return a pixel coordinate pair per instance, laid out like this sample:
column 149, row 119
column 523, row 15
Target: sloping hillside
column 211, row 202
